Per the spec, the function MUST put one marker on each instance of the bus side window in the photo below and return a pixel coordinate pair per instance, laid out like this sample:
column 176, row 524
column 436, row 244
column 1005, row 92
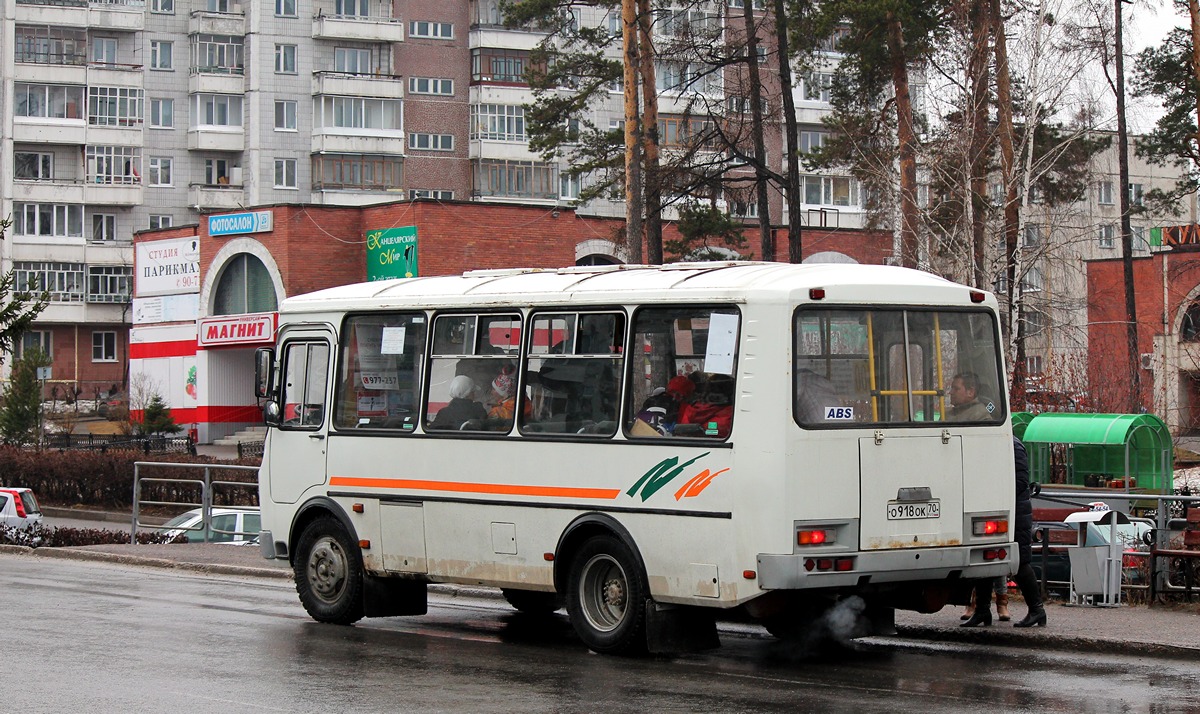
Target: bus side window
column 473, row 384
column 305, row 370
column 573, row 370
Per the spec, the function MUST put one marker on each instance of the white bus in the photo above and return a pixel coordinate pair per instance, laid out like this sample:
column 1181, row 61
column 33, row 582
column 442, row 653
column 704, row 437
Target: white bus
column 647, row 446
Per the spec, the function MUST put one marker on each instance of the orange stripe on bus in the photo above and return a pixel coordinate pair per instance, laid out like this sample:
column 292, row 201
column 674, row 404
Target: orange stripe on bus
column 494, row 488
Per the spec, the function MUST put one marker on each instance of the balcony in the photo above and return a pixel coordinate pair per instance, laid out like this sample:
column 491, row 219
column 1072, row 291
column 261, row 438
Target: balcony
column 356, row 197
column 127, row 133
column 204, row 22
column 353, row 141
column 55, row 13
column 217, row 80
column 382, row 86
column 41, row 73
column 357, row 29
column 71, row 191
column 493, row 149
column 117, row 15
column 41, row 130
column 115, row 75
column 220, row 197
column 217, row 138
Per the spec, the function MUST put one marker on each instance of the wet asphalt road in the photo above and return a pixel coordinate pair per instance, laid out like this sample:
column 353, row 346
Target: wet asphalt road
column 106, row 638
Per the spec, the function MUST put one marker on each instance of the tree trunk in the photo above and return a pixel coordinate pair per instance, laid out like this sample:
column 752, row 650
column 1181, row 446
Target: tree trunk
column 650, row 138
column 979, row 20
column 1135, row 393
column 766, row 237
column 633, row 134
column 1004, row 134
column 907, row 138
column 1194, row 12
column 791, row 187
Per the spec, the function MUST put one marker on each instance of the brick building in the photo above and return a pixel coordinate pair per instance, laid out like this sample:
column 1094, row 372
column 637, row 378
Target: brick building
column 206, row 294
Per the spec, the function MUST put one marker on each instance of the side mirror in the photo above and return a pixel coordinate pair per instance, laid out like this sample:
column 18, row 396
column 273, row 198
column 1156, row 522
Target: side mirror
column 272, row 414
column 1149, row 536
column 264, row 371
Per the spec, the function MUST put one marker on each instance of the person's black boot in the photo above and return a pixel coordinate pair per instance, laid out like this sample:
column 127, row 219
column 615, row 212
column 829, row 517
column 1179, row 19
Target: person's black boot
column 1036, row 616
column 982, row 616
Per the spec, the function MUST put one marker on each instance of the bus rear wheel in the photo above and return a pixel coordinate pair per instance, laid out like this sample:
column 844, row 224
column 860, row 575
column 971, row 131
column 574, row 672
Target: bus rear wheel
column 606, row 597
column 531, row 602
column 329, row 573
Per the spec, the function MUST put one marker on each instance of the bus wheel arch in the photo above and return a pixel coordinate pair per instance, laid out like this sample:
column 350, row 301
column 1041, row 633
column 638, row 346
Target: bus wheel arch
column 580, row 531
column 312, row 510
column 328, row 569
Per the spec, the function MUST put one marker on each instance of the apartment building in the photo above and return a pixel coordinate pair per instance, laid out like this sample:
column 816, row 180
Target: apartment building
column 125, row 115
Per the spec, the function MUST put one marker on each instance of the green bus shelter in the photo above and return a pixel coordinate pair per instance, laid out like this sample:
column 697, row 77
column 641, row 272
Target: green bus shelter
column 1130, row 453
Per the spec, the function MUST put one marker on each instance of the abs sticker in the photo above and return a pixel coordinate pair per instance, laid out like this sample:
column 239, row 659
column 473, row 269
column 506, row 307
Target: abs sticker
column 839, row 413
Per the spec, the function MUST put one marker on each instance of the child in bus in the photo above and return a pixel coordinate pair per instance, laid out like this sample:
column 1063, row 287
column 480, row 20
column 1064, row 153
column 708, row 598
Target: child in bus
column 504, row 397
column 661, row 409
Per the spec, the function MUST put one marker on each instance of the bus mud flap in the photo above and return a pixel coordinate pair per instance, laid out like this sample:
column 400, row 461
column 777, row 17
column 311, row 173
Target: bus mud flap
column 390, row 597
column 674, row 629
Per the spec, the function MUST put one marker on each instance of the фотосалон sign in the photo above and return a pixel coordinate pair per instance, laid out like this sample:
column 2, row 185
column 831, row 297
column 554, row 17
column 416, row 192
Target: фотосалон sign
column 230, row 224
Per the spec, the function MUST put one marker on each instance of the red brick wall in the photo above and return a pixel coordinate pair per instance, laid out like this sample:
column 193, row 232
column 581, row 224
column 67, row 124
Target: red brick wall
column 72, row 366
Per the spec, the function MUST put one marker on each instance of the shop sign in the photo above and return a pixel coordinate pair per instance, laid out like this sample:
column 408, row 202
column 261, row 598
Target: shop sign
column 227, row 330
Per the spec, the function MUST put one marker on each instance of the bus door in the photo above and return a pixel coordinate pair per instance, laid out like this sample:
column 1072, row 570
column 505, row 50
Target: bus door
column 911, row 491
column 298, row 446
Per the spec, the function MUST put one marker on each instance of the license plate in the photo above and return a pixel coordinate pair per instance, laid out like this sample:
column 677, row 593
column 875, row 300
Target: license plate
column 906, row 511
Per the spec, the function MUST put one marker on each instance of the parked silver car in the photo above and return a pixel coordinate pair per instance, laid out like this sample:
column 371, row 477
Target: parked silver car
column 19, row 508
column 235, row 526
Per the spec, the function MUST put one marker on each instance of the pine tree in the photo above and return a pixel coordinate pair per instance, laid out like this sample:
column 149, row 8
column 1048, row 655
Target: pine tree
column 157, row 419
column 20, row 416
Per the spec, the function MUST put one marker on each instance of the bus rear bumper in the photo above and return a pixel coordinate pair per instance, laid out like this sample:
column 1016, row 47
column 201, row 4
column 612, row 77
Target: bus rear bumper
column 789, row 572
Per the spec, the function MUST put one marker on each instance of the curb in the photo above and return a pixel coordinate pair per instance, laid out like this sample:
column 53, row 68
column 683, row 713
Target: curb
column 1046, row 640
column 100, row 556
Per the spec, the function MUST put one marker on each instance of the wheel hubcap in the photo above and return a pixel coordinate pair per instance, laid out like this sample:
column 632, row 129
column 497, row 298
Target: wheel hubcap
column 327, row 569
column 604, row 593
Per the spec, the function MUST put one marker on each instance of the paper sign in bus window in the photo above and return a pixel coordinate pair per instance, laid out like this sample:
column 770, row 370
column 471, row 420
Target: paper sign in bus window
column 722, row 340
column 393, row 341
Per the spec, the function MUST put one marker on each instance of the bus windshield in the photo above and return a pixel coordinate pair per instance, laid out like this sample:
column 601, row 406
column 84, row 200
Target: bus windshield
column 890, row 366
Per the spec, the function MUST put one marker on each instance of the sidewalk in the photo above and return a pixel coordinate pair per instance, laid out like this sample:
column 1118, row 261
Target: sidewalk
column 1162, row 630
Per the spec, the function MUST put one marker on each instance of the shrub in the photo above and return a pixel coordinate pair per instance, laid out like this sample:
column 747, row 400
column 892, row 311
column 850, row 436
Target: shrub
column 39, row 536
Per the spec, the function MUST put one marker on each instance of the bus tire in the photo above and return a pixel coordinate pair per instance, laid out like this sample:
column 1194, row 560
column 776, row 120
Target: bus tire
column 329, row 572
column 531, row 602
column 607, row 596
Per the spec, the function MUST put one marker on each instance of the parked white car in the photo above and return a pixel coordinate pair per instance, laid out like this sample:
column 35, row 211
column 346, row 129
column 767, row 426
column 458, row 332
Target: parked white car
column 235, row 526
column 19, row 508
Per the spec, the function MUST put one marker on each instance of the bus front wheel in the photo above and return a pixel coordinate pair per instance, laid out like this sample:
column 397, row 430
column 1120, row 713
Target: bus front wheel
column 329, row 572
column 607, row 597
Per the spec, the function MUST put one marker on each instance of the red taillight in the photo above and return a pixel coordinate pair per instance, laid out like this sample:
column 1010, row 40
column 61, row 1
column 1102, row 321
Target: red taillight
column 827, row 564
column 989, row 526
column 814, row 537
column 995, row 554
column 20, row 506
column 816, row 293
column 976, row 296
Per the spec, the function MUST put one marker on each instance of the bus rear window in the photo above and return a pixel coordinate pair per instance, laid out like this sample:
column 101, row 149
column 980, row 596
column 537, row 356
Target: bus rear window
column 862, row 366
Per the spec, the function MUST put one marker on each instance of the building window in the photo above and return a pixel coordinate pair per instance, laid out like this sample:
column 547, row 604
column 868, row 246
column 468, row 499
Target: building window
column 162, row 7
column 104, row 346
column 158, row 173
column 358, row 113
column 285, row 115
column 810, row 141
column 160, row 55
column 818, row 87
column 435, row 30
column 104, row 227
column 430, row 85
column 498, row 122
column 1035, row 321
column 690, row 77
column 245, row 286
column 492, row 64
column 217, row 110
column 568, row 186
column 113, row 164
column 1032, row 282
column 48, row 220
column 1189, row 329
column 1104, row 193
column 1135, row 194
column 162, row 113
column 33, row 166
column 829, row 190
column 352, row 60
column 104, row 51
column 1033, row 235
column 431, row 142
column 217, row 172
column 516, row 179
column 34, row 341
column 352, row 8
column 1108, row 235
column 758, row 4
column 50, row 45
column 110, row 283
column 743, row 209
column 1140, row 243
column 356, row 172
column 63, row 281
column 114, row 106
column 285, row 173
column 285, row 59
column 285, row 8
column 439, row 194
column 218, row 54
column 1033, row 365
column 158, row 221
column 48, row 101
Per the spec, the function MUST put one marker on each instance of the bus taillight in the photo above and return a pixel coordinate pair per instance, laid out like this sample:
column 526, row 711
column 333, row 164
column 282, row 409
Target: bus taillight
column 989, row 526
column 814, row 537
column 995, row 554
column 826, row 564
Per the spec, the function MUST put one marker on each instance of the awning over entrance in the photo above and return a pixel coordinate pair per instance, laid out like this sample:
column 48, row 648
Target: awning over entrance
column 1130, row 452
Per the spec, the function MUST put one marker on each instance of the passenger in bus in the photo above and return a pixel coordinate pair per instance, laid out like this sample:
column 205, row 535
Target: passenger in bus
column 504, row 397
column 661, row 409
column 462, row 407
column 964, row 399
column 712, row 411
